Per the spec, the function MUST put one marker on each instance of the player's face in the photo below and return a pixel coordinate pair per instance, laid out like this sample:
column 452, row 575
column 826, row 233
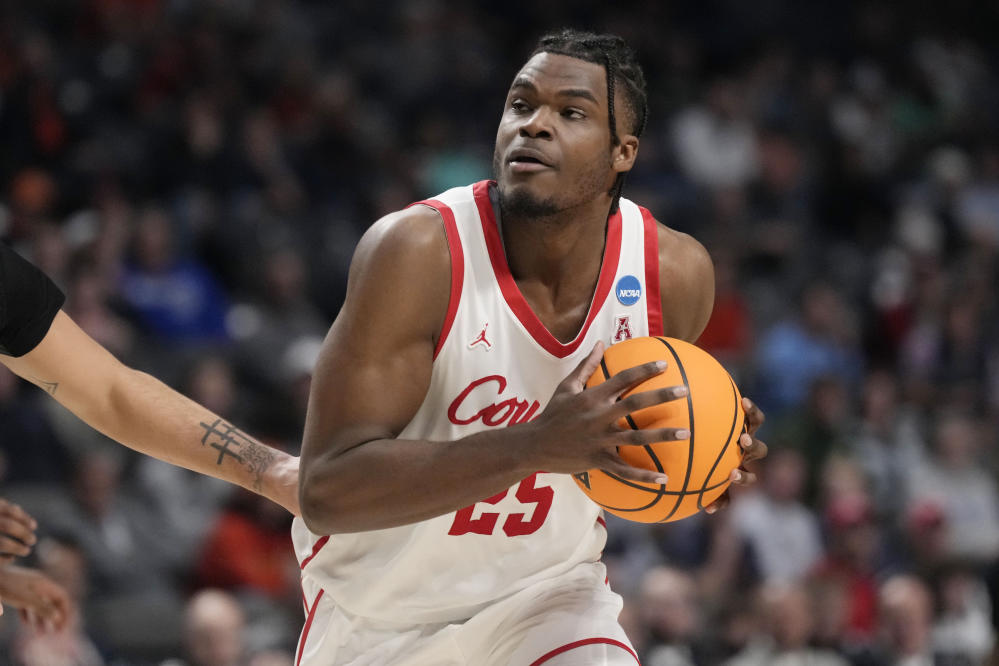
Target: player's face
column 553, row 146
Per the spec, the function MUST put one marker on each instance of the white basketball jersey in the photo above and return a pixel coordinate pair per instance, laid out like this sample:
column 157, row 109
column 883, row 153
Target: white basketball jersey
column 495, row 366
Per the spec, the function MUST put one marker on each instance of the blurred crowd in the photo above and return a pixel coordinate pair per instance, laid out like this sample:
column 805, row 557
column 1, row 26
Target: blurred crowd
column 195, row 174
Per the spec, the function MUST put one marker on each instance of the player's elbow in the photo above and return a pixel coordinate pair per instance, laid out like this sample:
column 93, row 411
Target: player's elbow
column 324, row 510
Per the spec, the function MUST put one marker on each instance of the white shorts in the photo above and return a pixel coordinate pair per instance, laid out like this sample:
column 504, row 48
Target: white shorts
column 570, row 620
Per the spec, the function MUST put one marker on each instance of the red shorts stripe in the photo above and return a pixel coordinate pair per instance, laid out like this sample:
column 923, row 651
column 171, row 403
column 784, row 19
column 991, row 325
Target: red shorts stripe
column 586, row 641
column 318, row 546
column 308, row 625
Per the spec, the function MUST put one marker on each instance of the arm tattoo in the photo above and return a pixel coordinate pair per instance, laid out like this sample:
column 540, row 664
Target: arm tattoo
column 231, row 441
column 48, row 387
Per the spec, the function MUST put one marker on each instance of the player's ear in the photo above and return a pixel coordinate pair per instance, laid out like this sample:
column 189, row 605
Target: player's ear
column 624, row 154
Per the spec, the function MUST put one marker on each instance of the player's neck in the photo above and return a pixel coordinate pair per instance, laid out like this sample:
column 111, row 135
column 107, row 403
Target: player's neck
column 569, row 243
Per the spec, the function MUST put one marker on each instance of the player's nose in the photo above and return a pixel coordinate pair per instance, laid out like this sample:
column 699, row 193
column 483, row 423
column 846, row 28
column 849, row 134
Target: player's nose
column 537, row 125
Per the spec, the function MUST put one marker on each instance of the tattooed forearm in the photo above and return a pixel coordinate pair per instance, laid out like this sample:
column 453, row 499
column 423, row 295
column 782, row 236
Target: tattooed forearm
column 48, row 387
column 231, row 441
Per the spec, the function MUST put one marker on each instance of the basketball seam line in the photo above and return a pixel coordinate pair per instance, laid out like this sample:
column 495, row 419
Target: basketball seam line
column 690, row 414
column 721, row 454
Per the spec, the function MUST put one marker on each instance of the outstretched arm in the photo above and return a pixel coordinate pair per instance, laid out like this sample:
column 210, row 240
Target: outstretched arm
column 144, row 414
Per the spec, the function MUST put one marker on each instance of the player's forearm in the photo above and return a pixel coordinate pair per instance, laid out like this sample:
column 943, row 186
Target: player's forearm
column 149, row 417
column 389, row 482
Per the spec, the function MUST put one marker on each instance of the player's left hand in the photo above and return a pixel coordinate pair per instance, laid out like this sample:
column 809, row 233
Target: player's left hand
column 752, row 449
column 43, row 603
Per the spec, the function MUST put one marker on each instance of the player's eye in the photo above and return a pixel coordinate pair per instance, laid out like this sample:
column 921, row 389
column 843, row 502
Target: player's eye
column 519, row 106
column 573, row 114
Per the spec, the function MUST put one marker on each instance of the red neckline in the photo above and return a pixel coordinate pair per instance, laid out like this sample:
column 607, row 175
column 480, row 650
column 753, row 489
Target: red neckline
column 511, row 292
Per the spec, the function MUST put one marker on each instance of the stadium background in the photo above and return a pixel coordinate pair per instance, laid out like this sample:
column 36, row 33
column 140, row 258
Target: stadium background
column 195, row 176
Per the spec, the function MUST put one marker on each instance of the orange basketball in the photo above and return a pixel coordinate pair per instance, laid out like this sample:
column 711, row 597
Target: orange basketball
column 697, row 468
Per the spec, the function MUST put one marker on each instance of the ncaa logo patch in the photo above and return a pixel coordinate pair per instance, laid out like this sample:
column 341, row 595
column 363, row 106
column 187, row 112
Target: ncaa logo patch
column 628, row 290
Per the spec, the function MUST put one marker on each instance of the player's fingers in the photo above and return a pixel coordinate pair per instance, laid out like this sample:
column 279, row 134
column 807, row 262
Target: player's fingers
column 718, row 504
column 643, row 399
column 576, row 380
column 752, row 448
column 741, row 476
column 754, row 415
column 646, row 436
column 614, row 465
column 630, row 378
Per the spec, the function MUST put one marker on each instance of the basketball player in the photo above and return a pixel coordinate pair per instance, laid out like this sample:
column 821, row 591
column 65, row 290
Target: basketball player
column 439, row 521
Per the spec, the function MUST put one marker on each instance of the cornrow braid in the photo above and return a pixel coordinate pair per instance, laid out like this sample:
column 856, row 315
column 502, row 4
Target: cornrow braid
column 620, row 63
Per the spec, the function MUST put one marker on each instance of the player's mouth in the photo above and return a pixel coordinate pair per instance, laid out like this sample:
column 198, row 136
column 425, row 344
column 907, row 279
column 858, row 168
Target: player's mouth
column 528, row 160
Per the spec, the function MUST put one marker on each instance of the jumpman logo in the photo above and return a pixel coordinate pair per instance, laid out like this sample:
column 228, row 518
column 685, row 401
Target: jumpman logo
column 481, row 340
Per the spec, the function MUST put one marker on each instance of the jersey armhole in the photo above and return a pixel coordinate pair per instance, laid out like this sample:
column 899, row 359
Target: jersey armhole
column 653, row 300
column 457, row 266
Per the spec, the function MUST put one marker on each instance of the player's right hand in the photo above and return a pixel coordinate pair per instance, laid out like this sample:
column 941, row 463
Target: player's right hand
column 579, row 430
column 17, row 531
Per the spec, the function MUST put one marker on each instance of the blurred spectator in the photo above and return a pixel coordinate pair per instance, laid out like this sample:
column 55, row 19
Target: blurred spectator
column 175, row 299
column 905, row 619
column 788, row 628
column 962, row 631
column 966, row 493
column 888, row 444
column 781, row 532
column 213, row 631
column 671, row 613
column 818, row 429
column 794, row 353
column 854, row 549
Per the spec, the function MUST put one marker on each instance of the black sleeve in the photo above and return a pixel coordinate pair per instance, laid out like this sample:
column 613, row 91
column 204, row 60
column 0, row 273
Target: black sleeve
column 29, row 301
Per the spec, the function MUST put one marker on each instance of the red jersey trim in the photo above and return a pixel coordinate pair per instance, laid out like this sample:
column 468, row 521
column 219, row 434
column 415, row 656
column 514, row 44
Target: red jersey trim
column 457, row 266
column 653, row 299
column 308, row 626
column 586, row 641
column 515, row 299
column 316, row 547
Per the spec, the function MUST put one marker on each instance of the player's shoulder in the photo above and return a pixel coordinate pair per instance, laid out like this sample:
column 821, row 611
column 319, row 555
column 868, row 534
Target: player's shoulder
column 682, row 257
column 409, row 240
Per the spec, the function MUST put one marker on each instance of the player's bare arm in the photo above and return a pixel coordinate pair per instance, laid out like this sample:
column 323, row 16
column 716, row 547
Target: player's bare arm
column 373, row 374
column 687, row 289
column 144, row 414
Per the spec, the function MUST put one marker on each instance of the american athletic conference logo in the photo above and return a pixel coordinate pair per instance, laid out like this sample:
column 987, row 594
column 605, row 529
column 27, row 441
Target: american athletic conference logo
column 628, row 290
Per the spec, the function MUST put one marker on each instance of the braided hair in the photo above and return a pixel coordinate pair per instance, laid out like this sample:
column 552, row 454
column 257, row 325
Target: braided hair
column 621, row 65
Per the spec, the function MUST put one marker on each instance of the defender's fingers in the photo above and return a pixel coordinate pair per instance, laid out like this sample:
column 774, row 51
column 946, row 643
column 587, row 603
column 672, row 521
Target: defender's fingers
column 628, row 379
column 15, row 529
column 576, row 380
column 637, row 401
column 754, row 415
column 11, row 511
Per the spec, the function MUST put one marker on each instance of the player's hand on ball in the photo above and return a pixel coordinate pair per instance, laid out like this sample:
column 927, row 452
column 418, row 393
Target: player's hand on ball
column 579, row 429
column 17, row 531
column 752, row 449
